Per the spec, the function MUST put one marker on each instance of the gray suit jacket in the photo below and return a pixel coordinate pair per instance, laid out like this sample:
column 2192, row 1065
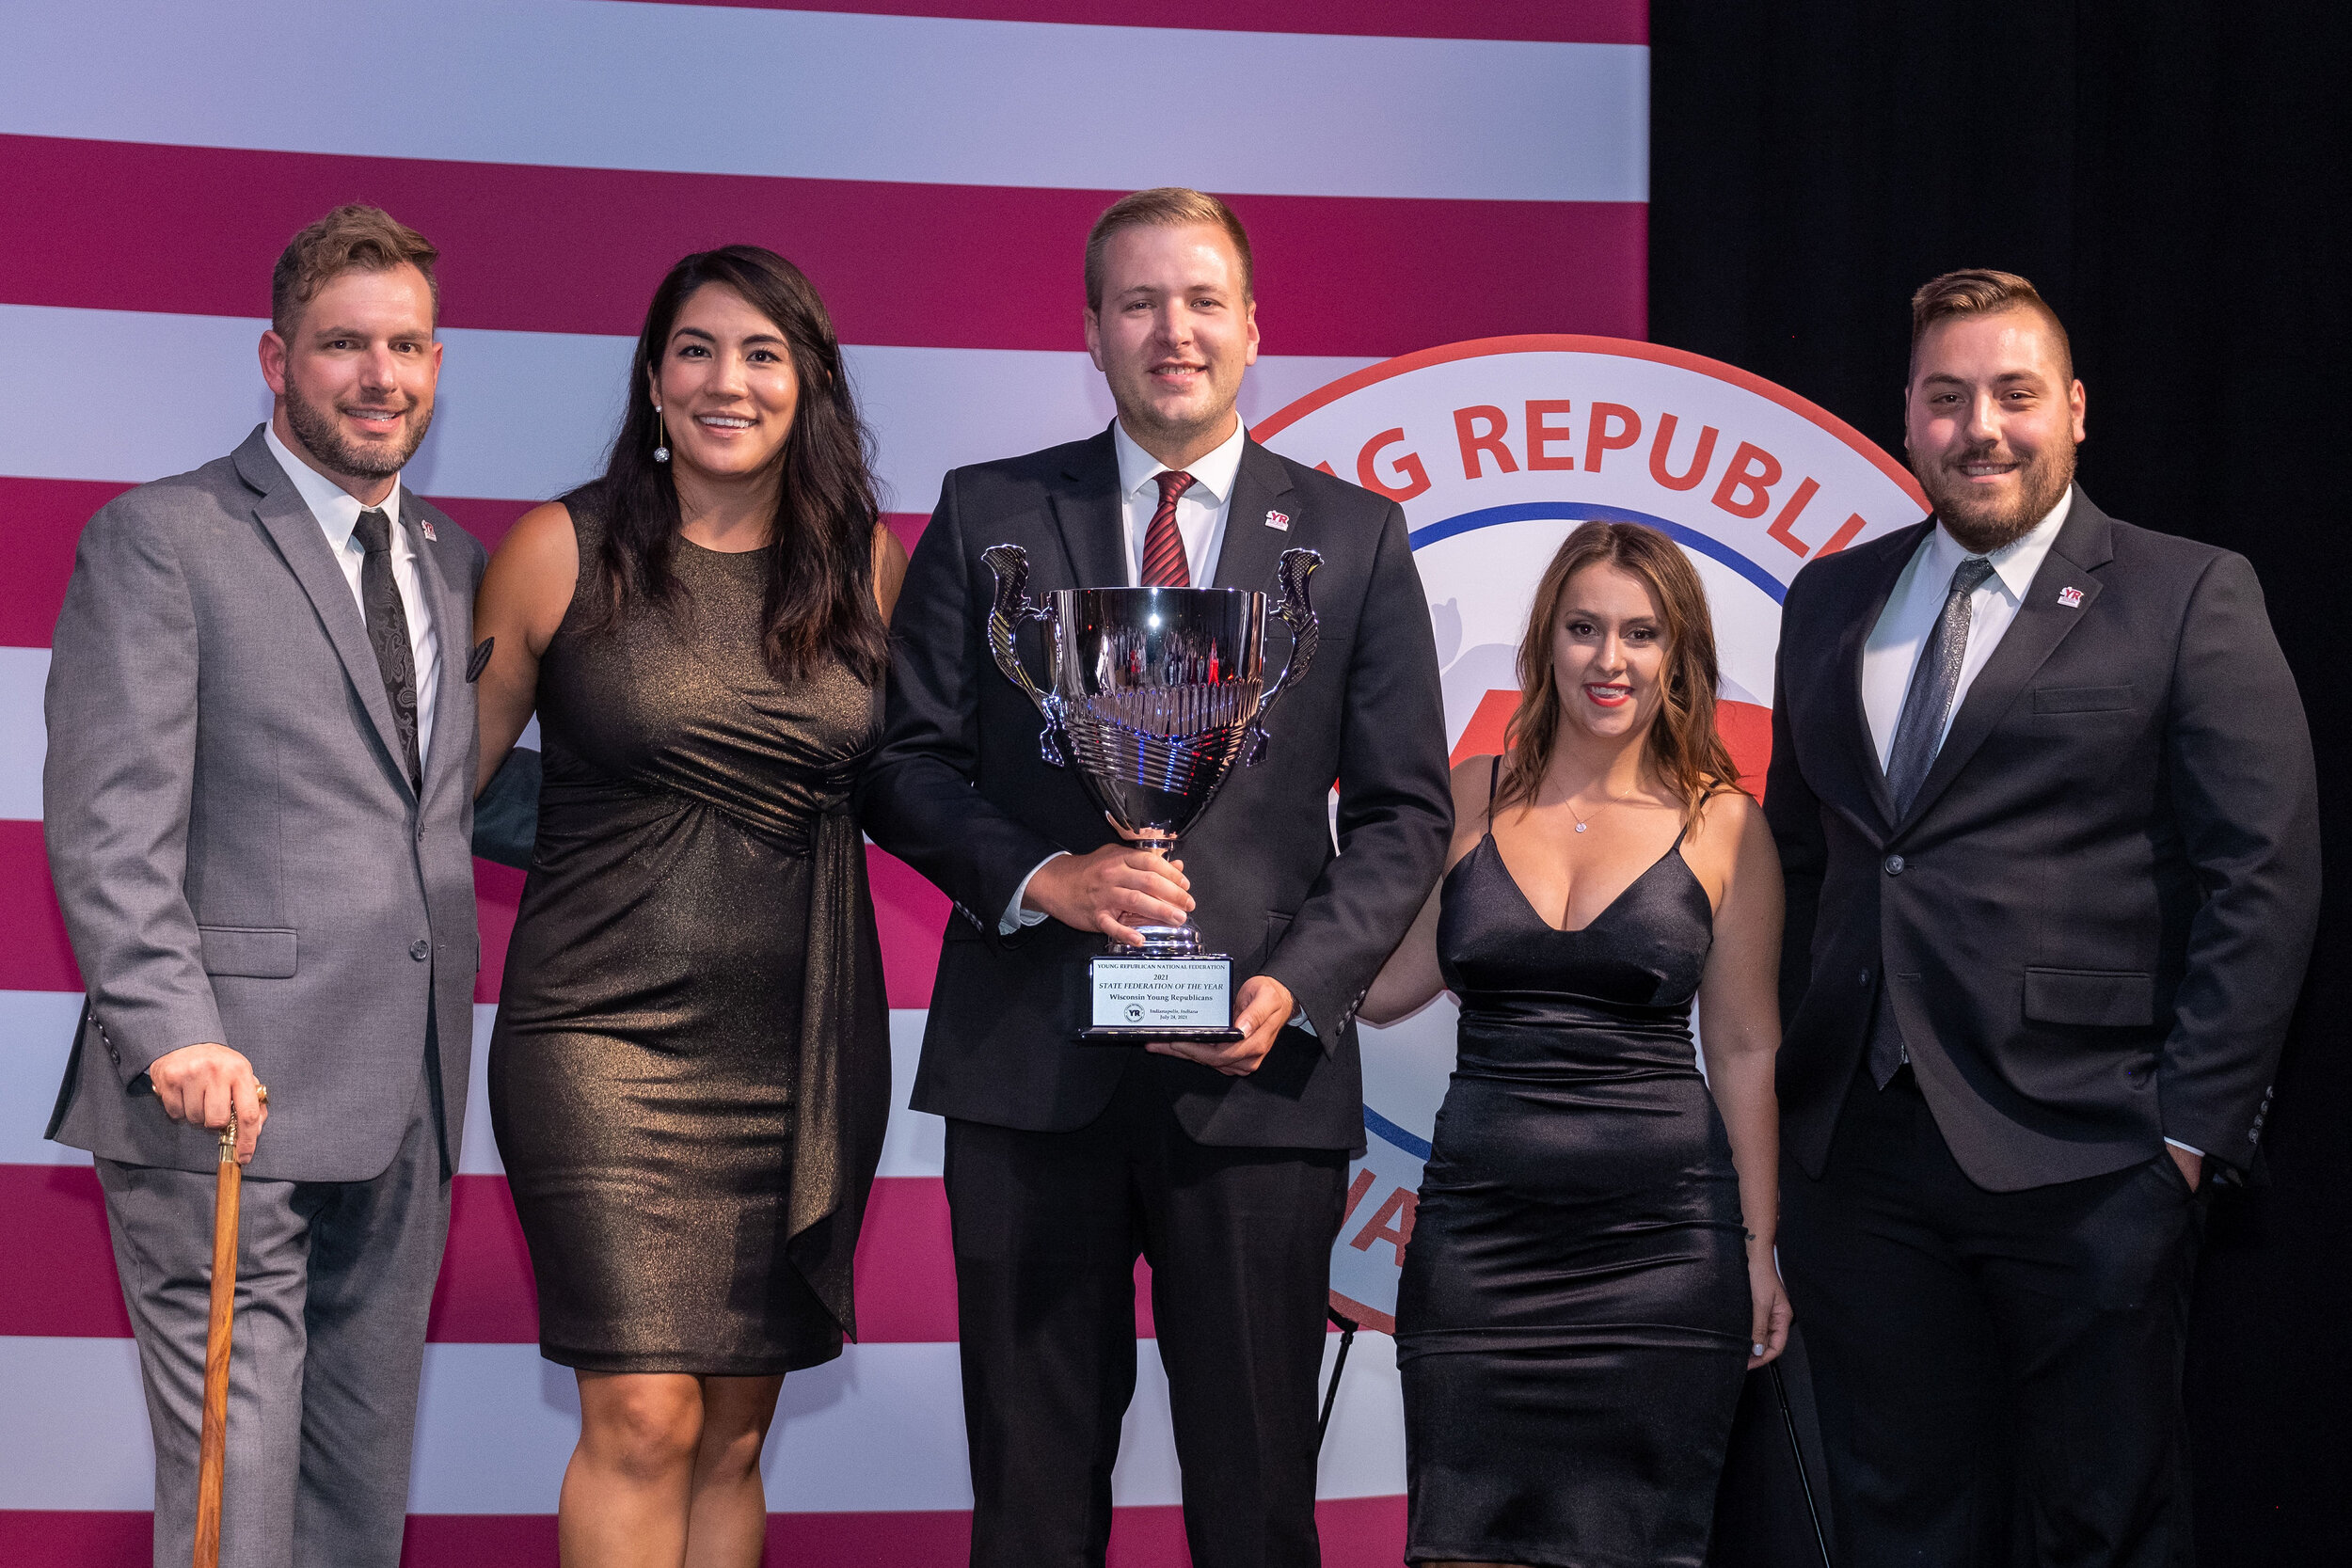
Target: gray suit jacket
column 237, row 851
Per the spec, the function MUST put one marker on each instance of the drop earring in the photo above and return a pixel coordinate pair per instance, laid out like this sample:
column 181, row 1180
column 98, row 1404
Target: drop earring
column 660, row 437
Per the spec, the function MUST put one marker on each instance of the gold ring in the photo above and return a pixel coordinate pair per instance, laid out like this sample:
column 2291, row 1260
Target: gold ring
column 261, row 1092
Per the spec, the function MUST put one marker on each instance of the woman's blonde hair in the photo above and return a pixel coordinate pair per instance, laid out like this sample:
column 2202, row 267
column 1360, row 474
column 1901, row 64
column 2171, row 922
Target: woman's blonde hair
column 1684, row 745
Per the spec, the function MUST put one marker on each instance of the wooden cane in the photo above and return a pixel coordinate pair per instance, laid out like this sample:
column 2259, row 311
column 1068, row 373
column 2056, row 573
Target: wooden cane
column 213, row 1449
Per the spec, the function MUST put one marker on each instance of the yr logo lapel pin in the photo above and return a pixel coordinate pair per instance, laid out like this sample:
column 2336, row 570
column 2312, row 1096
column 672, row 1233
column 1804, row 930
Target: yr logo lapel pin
column 426, row 524
column 2070, row 597
column 1278, row 520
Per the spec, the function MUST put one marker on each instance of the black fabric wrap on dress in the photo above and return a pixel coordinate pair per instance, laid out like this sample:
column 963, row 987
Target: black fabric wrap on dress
column 691, row 1071
column 1572, row 1321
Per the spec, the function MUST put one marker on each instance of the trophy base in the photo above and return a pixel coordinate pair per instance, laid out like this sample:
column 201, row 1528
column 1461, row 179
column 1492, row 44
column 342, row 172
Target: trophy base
column 1139, row 996
column 1226, row 1035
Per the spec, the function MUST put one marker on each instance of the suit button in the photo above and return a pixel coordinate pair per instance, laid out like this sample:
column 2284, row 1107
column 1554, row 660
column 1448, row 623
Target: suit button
column 1894, row 865
column 1865, row 978
column 419, row 948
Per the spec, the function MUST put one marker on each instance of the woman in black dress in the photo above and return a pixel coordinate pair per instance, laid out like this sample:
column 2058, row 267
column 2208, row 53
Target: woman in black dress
column 1591, row 1272
column 691, row 1068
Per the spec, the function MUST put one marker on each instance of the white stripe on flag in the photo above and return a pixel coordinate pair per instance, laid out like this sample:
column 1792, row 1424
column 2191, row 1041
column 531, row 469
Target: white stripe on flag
column 838, row 96
column 23, row 732
column 36, row 1027
column 524, row 416
column 877, row 1430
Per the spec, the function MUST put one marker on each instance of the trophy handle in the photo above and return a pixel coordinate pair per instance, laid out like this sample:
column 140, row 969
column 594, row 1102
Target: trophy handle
column 1297, row 611
column 1011, row 610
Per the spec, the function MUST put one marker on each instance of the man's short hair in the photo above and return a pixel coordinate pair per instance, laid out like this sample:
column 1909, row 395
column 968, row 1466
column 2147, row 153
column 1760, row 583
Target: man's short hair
column 352, row 238
column 1982, row 292
column 1165, row 207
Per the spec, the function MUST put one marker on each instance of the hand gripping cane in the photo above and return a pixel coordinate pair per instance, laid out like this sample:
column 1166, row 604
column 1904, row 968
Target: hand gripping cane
column 212, row 1448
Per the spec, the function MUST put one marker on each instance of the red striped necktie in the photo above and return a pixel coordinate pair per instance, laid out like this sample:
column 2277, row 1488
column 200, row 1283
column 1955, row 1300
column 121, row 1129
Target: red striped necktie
column 1163, row 564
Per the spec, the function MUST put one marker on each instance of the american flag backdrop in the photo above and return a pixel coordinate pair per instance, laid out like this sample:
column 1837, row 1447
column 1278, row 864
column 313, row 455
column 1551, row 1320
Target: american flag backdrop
column 1412, row 173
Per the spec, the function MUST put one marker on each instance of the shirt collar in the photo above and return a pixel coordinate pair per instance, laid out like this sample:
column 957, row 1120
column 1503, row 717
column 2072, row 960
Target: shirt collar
column 335, row 508
column 1213, row 474
column 2015, row 563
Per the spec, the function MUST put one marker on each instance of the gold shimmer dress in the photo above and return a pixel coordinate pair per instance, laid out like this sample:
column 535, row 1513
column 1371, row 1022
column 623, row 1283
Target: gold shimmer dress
column 691, row 1068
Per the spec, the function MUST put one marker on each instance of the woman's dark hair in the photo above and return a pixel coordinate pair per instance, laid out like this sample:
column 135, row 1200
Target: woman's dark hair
column 820, row 574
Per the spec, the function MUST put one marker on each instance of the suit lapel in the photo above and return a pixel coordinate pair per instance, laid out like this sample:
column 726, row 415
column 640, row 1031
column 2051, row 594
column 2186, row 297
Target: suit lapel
column 287, row 518
column 1087, row 511
column 1247, row 558
column 2083, row 545
column 1854, row 719
column 451, row 618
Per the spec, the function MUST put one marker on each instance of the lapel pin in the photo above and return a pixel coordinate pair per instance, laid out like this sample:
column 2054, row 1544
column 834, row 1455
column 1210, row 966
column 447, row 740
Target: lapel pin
column 1278, row 520
column 426, row 524
column 2070, row 597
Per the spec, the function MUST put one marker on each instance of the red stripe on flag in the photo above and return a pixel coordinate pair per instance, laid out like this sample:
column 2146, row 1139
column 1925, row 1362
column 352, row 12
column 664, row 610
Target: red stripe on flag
column 1357, row 1532
column 34, row 954
column 498, row 890
column 53, row 1222
column 131, row 226
column 911, row 915
column 1516, row 20
column 42, row 519
column 487, row 520
column 487, row 1294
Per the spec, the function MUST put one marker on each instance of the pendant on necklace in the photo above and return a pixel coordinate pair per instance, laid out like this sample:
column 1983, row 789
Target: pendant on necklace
column 1579, row 826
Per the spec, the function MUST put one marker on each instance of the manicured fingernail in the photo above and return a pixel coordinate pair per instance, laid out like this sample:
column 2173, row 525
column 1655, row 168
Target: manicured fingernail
column 1756, row 1350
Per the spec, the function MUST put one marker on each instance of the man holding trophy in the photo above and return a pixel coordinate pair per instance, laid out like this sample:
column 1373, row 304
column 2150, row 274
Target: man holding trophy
column 1141, row 1049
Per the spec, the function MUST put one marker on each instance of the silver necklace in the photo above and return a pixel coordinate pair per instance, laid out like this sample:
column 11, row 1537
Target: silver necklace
column 1606, row 801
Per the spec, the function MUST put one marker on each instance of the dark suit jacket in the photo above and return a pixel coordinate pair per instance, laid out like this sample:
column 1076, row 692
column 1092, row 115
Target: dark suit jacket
column 235, row 843
column 2093, row 921
column 960, row 792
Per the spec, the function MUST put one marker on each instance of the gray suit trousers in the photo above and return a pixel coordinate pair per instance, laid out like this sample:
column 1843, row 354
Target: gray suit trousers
column 334, row 1280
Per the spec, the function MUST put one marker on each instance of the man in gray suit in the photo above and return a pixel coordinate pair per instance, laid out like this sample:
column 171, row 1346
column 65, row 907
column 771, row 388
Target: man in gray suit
column 258, row 795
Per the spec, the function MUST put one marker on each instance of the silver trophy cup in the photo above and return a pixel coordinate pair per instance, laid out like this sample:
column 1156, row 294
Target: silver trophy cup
column 1154, row 695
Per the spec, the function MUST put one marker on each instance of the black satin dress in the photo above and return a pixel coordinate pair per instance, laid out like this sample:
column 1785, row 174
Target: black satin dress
column 1573, row 1318
column 691, row 1068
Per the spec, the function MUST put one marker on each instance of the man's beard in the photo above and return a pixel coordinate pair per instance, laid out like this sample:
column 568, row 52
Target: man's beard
column 1982, row 525
column 317, row 431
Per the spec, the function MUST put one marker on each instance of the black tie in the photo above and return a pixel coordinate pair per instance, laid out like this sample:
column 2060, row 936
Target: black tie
column 388, row 633
column 1918, row 735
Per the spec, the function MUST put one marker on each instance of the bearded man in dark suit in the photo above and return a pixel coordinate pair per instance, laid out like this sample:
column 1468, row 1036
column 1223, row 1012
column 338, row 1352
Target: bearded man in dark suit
column 1223, row 1165
column 2045, row 800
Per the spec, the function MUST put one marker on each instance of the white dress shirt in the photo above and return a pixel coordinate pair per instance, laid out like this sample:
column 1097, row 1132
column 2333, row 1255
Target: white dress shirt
column 337, row 511
column 1200, row 510
column 1908, row 622
column 1200, row 520
column 1913, row 608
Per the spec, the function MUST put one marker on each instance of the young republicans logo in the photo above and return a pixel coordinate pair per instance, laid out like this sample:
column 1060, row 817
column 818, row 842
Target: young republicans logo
column 1497, row 450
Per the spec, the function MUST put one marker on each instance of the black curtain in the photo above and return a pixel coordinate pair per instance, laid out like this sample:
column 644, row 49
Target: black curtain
column 2173, row 179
